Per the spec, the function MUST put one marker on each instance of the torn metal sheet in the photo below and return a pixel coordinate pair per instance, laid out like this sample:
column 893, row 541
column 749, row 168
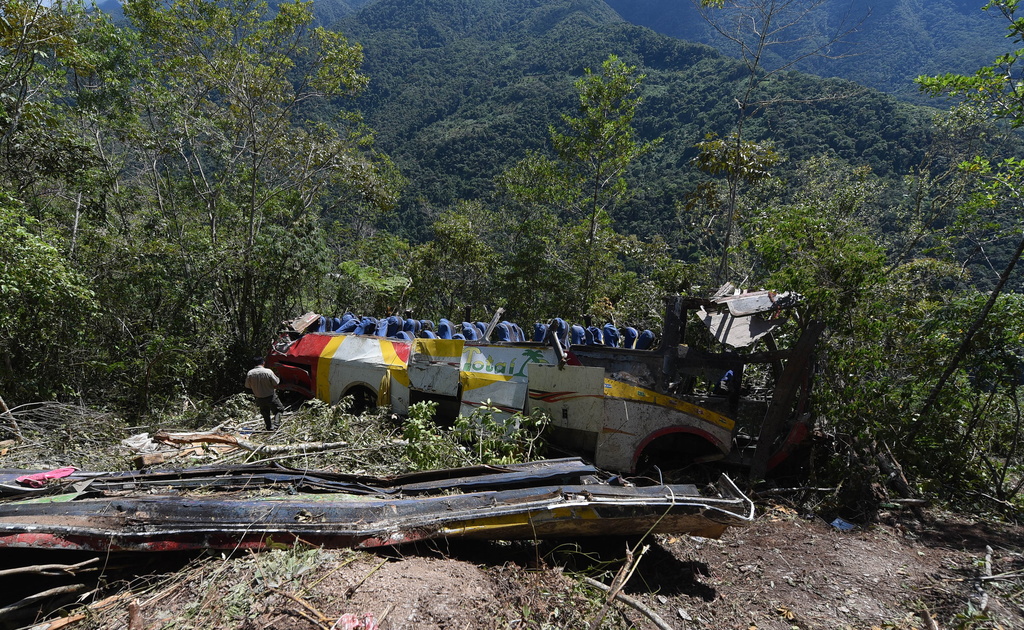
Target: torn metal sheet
column 255, row 508
column 738, row 332
column 757, row 302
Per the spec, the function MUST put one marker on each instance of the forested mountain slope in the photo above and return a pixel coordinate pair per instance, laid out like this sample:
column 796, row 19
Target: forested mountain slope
column 324, row 11
column 887, row 43
column 459, row 90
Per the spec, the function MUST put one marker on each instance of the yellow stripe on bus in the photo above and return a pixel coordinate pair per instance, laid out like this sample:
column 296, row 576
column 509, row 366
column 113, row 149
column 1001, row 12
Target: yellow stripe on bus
column 625, row 391
column 323, row 369
column 396, row 366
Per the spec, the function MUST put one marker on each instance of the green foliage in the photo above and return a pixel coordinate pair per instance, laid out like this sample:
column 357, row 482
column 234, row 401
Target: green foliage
column 458, row 265
column 736, row 159
column 586, row 182
column 890, row 44
column 430, row 446
column 173, row 165
column 497, row 438
column 38, row 286
column 459, row 111
column 818, row 246
column 487, row 436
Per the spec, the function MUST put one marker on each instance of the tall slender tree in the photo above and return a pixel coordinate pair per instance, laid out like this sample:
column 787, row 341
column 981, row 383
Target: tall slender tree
column 586, row 180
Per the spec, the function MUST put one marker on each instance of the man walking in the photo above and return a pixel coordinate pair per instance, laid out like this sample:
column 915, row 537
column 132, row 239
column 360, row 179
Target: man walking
column 263, row 383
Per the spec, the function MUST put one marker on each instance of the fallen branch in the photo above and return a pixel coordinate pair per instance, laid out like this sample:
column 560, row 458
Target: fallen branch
column 983, row 606
column 208, row 437
column 68, row 589
column 47, row 569
column 620, row 579
column 8, row 417
column 234, row 440
column 894, row 473
column 626, row 599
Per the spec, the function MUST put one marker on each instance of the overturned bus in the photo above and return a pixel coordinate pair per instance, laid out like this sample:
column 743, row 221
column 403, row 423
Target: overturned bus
column 621, row 403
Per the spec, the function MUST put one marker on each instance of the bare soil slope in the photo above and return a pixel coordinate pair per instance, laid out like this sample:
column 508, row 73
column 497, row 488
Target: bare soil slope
column 783, row 572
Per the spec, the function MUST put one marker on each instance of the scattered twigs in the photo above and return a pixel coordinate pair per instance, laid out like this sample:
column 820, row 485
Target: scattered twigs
column 321, row 619
column 770, row 492
column 49, row 415
column 1012, row 575
column 103, row 604
column 50, row 569
column 343, row 452
column 626, row 599
column 340, row 566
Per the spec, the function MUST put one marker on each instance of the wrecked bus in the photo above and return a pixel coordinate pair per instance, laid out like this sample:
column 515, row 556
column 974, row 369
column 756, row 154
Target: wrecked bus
column 625, row 408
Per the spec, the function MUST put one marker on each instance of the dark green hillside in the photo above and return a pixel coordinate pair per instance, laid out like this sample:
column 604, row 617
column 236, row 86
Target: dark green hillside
column 455, row 101
column 891, row 41
column 324, row 11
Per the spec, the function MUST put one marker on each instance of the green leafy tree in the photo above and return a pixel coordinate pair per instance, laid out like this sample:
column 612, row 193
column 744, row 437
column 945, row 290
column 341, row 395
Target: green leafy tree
column 229, row 178
column 585, row 181
column 45, row 159
column 46, row 309
column 753, row 28
column 995, row 89
column 457, row 266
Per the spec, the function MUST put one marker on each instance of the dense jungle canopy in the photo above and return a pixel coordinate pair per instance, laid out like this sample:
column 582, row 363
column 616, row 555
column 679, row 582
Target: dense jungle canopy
column 175, row 184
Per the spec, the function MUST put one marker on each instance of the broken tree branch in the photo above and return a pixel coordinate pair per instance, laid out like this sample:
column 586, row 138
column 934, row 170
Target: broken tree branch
column 31, row 600
column 8, row 418
column 983, row 606
column 90, row 609
column 894, row 473
column 234, row 440
column 48, row 569
column 636, row 604
column 621, row 577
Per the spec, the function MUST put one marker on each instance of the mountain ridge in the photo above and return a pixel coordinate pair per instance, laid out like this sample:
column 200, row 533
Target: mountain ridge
column 453, row 109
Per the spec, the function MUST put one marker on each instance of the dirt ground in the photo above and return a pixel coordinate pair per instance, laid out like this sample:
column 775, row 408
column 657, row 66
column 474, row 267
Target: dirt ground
column 785, row 571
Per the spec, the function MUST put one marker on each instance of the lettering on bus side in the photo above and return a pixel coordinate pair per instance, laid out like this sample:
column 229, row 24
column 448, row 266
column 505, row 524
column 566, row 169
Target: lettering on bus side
column 476, row 360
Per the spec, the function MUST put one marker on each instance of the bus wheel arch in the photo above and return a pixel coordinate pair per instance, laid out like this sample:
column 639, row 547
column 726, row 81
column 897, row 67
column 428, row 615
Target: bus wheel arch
column 674, row 447
column 364, row 398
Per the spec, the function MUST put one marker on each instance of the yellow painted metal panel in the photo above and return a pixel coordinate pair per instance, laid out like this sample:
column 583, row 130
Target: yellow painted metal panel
column 323, row 369
column 627, row 391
